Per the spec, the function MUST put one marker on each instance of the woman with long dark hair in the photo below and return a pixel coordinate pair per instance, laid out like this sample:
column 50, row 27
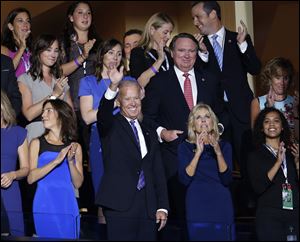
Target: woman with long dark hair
column 56, row 165
column 91, row 91
column 43, row 81
column 17, row 38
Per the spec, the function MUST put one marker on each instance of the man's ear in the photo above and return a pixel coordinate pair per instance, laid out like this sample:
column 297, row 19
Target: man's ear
column 117, row 103
column 213, row 14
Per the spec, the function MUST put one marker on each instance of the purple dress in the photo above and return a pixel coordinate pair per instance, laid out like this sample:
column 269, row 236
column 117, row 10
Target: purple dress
column 11, row 139
column 24, row 63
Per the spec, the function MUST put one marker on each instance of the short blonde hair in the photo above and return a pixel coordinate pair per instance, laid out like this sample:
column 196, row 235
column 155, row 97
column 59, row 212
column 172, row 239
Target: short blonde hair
column 191, row 122
column 7, row 112
column 156, row 21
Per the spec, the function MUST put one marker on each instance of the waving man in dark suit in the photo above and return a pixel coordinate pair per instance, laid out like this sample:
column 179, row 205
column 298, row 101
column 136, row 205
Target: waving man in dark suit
column 133, row 190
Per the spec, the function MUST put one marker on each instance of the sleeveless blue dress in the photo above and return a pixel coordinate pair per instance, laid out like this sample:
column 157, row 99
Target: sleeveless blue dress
column 55, row 209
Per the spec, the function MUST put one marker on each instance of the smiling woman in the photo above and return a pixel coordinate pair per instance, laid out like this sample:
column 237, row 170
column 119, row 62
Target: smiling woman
column 42, row 82
column 17, row 38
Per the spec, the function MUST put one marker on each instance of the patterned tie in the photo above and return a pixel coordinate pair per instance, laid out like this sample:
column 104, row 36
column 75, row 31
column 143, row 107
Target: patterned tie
column 218, row 51
column 141, row 181
column 187, row 89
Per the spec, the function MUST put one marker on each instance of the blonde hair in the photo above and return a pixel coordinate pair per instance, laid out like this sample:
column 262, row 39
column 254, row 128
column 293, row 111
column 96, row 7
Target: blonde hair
column 156, row 21
column 191, row 122
column 7, row 112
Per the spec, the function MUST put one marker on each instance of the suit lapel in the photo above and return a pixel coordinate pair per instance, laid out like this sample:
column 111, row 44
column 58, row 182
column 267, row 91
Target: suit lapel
column 127, row 128
column 178, row 93
column 146, row 134
column 229, row 44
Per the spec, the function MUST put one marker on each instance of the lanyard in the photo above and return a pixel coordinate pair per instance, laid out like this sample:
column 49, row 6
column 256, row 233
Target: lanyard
column 84, row 63
column 26, row 62
column 166, row 59
column 283, row 164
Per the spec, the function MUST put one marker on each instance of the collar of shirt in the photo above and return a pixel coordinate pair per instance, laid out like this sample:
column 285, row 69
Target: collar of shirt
column 221, row 37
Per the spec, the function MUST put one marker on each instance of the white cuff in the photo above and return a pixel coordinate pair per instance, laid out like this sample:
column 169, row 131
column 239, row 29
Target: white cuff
column 158, row 131
column 163, row 210
column 243, row 46
column 110, row 94
column 203, row 56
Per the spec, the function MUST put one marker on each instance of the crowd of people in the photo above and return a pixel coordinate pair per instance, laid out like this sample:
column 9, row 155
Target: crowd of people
column 145, row 116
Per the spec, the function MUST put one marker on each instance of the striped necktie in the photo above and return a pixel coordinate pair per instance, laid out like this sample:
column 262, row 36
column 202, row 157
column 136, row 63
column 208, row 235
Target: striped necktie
column 218, row 51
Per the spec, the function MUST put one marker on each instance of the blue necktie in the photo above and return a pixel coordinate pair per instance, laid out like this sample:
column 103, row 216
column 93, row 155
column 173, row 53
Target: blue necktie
column 218, row 50
column 141, row 181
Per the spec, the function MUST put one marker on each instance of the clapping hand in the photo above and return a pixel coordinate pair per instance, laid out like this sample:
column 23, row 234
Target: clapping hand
column 7, row 179
column 22, row 39
column 281, row 152
column 214, row 143
column 242, row 33
column 87, row 47
column 160, row 50
column 200, row 142
column 58, row 89
column 115, row 75
column 271, row 97
column 72, row 152
column 202, row 46
column 62, row 154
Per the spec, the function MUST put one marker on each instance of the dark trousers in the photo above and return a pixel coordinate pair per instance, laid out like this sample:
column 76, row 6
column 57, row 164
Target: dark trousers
column 133, row 224
column 239, row 135
column 272, row 224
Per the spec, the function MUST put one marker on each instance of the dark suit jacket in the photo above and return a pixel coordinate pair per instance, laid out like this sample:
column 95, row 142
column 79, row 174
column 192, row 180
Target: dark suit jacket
column 9, row 83
column 234, row 74
column 164, row 105
column 260, row 161
column 123, row 162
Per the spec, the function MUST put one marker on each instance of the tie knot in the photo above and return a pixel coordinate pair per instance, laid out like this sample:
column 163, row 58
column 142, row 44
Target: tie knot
column 132, row 122
column 215, row 36
column 186, row 75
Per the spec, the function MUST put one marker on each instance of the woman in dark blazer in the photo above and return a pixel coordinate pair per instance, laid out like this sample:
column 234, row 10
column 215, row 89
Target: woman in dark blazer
column 273, row 169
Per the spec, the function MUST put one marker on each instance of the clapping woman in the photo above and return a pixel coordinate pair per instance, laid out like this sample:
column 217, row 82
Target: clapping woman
column 56, row 165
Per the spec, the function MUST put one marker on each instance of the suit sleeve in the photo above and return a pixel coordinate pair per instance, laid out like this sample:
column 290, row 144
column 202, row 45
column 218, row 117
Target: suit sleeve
column 250, row 60
column 160, row 179
column 137, row 62
column 105, row 116
column 258, row 172
column 13, row 92
column 226, row 176
column 151, row 104
column 183, row 160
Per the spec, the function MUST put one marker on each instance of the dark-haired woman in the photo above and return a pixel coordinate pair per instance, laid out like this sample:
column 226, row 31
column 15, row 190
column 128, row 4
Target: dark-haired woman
column 43, row 81
column 91, row 91
column 273, row 169
column 16, row 39
column 79, row 44
column 56, row 164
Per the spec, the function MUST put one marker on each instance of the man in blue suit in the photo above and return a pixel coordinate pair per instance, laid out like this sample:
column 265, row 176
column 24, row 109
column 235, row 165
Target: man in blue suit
column 166, row 108
column 231, row 56
column 133, row 191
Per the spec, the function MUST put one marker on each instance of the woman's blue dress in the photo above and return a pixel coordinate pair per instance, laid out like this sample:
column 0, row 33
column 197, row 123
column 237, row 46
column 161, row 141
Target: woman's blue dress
column 55, row 209
column 209, row 208
column 11, row 139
